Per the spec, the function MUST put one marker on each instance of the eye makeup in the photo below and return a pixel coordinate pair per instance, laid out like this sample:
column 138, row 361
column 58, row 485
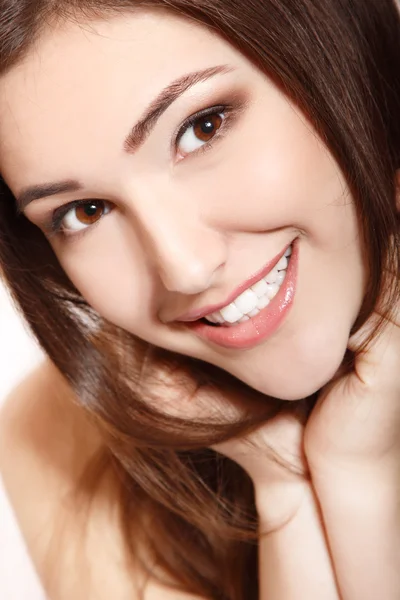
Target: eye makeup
column 54, row 226
column 231, row 114
column 57, row 217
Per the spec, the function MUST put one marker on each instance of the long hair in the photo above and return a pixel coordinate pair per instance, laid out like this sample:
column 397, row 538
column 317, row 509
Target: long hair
column 340, row 63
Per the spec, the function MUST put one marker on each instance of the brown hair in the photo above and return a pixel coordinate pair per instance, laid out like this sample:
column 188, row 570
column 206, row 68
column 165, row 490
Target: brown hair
column 340, row 62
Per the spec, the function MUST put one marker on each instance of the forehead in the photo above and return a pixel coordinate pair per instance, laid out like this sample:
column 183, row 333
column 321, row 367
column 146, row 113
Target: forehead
column 83, row 87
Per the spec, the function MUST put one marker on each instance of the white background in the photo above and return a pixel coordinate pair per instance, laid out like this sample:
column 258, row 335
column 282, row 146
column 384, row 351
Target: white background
column 19, row 352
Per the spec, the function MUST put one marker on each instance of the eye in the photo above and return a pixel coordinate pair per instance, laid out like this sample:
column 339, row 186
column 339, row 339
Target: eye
column 78, row 216
column 200, row 129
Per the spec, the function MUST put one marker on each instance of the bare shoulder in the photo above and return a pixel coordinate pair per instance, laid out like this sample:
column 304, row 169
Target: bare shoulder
column 46, row 442
column 36, row 420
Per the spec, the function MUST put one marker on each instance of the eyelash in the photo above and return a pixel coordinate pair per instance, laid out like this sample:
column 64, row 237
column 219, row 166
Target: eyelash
column 229, row 112
column 55, row 229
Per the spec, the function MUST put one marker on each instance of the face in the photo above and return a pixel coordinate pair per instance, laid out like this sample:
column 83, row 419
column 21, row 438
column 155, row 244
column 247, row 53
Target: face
column 189, row 212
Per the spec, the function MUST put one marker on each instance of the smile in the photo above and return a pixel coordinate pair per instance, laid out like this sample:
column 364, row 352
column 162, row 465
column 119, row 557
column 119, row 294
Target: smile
column 257, row 312
column 255, row 298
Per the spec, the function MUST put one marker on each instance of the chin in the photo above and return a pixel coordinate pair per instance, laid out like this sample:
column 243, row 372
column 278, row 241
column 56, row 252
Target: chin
column 303, row 373
column 298, row 387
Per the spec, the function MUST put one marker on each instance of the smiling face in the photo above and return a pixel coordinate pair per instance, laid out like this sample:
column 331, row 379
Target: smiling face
column 179, row 215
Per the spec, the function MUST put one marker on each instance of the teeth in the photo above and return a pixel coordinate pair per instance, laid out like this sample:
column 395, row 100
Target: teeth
column 271, row 277
column 246, row 302
column 231, row 313
column 280, row 277
column 263, row 302
column 218, row 317
column 254, row 299
column 260, row 288
column 282, row 264
column 212, row 319
column 273, row 289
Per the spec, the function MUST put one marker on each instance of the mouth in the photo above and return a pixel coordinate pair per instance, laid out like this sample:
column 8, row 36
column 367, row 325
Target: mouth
column 256, row 312
column 254, row 299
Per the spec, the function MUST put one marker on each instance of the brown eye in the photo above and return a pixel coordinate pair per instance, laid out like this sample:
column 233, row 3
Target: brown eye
column 200, row 131
column 89, row 213
column 79, row 215
column 206, row 127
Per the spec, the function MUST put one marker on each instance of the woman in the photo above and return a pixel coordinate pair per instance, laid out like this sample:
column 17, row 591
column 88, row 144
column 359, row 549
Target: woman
column 199, row 222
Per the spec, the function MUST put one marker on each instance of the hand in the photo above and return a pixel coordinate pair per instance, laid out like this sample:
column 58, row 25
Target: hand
column 352, row 444
column 272, row 455
column 293, row 553
column 356, row 422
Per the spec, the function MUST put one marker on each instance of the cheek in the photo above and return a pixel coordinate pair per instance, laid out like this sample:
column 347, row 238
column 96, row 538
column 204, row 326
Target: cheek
column 279, row 176
column 315, row 357
column 297, row 365
column 112, row 275
column 329, row 297
column 309, row 347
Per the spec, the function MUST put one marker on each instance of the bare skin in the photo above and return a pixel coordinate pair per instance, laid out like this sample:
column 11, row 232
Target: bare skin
column 176, row 232
column 345, row 533
column 49, row 466
column 45, row 444
column 147, row 236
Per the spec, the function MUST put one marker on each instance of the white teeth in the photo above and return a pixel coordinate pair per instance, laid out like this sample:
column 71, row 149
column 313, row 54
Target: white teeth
column 288, row 252
column 260, row 288
column 254, row 299
column 212, row 319
column 246, row 302
column 273, row 289
column 231, row 313
column 282, row 264
column 271, row 277
column 263, row 302
column 217, row 316
column 280, row 277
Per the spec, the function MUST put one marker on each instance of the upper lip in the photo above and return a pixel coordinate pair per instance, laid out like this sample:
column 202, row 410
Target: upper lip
column 199, row 313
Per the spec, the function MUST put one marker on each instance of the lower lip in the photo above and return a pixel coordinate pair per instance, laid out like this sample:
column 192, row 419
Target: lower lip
column 262, row 326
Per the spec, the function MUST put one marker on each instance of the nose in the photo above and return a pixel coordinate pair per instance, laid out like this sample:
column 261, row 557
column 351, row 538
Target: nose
column 186, row 253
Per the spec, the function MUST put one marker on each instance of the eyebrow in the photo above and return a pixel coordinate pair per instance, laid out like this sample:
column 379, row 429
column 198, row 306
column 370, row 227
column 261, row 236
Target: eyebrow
column 35, row 192
column 172, row 92
column 136, row 137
